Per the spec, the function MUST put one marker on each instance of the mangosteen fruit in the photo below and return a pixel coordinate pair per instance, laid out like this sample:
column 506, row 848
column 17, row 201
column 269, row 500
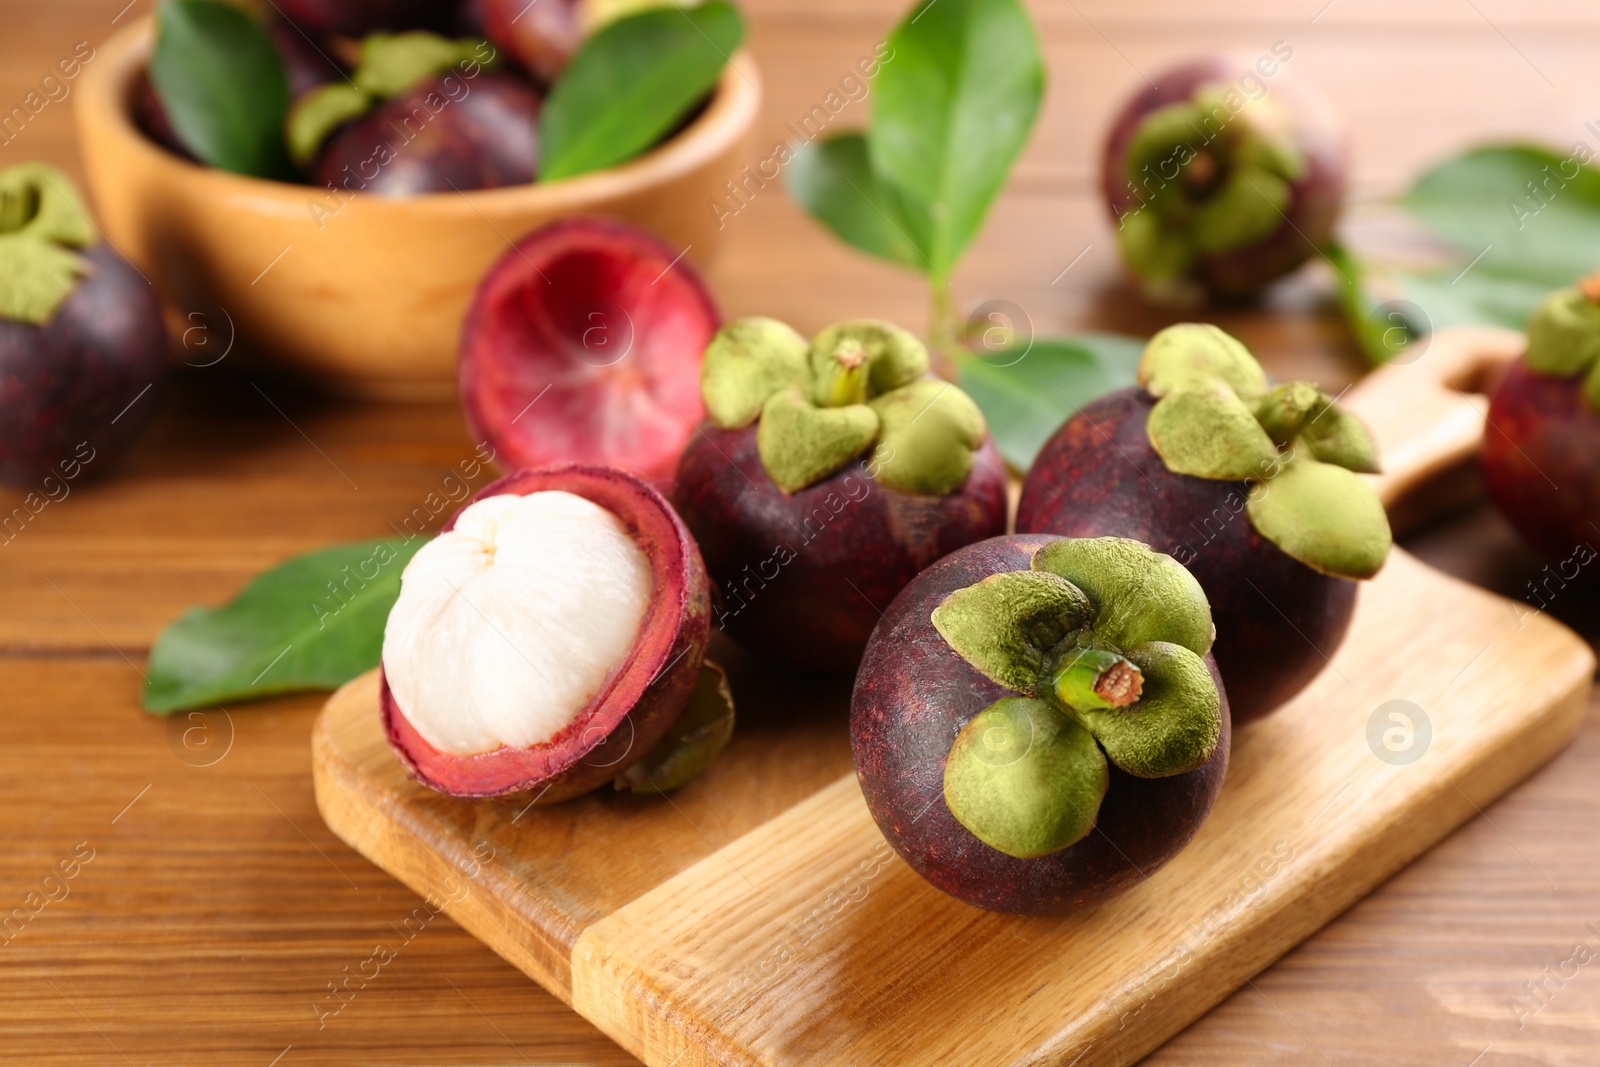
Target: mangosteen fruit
column 83, row 351
column 1220, row 182
column 583, row 344
column 1252, row 487
column 542, row 37
column 1037, row 723
column 357, row 18
column 828, row 474
column 419, row 114
column 1544, row 429
column 552, row 638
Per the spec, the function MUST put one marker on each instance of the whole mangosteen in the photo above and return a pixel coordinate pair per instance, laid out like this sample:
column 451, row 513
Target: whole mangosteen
column 445, row 134
column 1541, row 447
column 1037, row 723
column 1220, row 179
column 552, row 638
column 828, row 475
column 83, row 351
column 1251, row 487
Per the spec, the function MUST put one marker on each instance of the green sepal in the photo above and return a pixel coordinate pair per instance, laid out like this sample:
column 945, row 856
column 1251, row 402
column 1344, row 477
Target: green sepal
column 317, row 114
column 1209, row 432
column 1176, row 723
column 1247, row 208
column 800, row 444
column 1025, row 779
column 893, row 357
column 41, row 221
column 1158, row 137
column 930, row 433
column 748, row 361
column 1324, row 516
column 1139, row 595
column 392, row 63
column 1591, row 387
column 1338, row 437
column 1564, row 334
column 694, row 741
column 1004, row 625
column 1284, row 412
column 1194, row 354
column 1154, row 252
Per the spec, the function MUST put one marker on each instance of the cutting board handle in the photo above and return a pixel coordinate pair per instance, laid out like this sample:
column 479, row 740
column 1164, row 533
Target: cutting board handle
column 1429, row 414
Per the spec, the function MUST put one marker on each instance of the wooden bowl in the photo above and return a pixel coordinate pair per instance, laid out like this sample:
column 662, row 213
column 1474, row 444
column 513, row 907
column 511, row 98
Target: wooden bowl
column 366, row 297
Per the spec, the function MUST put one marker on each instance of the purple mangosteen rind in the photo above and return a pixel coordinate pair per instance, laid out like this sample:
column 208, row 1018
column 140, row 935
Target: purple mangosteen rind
column 1213, row 191
column 1215, row 416
column 1544, row 429
column 915, row 696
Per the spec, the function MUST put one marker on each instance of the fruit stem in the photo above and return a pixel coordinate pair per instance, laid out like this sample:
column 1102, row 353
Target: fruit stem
column 942, row 336
column 1093, row 679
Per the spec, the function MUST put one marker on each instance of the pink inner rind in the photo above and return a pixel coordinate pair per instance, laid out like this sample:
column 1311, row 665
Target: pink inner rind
column 608, row 319
column 641, row 697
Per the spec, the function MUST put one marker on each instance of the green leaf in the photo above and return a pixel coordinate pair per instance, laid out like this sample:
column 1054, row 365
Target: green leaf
column 223, row 84
column 1536, row 211
column 951, row 113
column 314, row 622
column 1027, row 392
column 835, row 182
column 631, row 83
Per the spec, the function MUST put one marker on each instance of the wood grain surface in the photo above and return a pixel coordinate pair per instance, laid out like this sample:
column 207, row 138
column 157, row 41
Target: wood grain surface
column 807, row 941
column 214, row 915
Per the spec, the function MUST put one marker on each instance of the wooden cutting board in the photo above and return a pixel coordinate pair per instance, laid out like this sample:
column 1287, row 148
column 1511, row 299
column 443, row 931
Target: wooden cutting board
column 758, row 917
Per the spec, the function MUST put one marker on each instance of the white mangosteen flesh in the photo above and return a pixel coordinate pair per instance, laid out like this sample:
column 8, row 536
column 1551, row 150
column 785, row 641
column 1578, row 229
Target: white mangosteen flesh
column 508, row 624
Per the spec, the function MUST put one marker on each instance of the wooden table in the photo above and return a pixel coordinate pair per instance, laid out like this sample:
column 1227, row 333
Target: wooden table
column 209, row 908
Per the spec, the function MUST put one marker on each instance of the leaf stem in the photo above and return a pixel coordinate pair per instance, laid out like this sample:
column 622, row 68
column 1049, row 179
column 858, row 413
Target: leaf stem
column 944, row 342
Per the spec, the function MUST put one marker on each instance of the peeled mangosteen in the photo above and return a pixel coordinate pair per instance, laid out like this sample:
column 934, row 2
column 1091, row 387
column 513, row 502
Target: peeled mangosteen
column 552, row 638
column 583, row 344
column 829, row 473
column 1253, row 488
column 1220, row 179
column 1540, row 450
column 83, row 351
column 1037, row 723
column 445, row 134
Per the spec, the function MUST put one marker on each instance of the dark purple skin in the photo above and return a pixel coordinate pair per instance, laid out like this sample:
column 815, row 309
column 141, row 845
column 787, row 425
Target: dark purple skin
column 357, row 18
column 1278, row 621
column 307, row 62
column 803, row 578
column 541, row 38
column 484, row 139
column 62, row 383
column 1314, row 202
column 913, row 695
column 1543, row 431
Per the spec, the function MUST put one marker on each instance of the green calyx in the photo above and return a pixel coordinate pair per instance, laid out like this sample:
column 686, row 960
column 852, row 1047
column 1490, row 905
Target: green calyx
column 1216, row 417
column 1104, row 640
column 701, row 733
column 854, row 386
column 1564, row 337
column 42, row 221
column 390, row 64
column 1210, row 176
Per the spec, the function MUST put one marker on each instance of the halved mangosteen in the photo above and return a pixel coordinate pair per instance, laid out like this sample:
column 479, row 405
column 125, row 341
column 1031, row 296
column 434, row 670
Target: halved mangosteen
column 552, row 638
column 583, row 344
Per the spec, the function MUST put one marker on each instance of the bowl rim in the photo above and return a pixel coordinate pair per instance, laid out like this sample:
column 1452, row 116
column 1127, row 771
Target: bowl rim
column 105, row 108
